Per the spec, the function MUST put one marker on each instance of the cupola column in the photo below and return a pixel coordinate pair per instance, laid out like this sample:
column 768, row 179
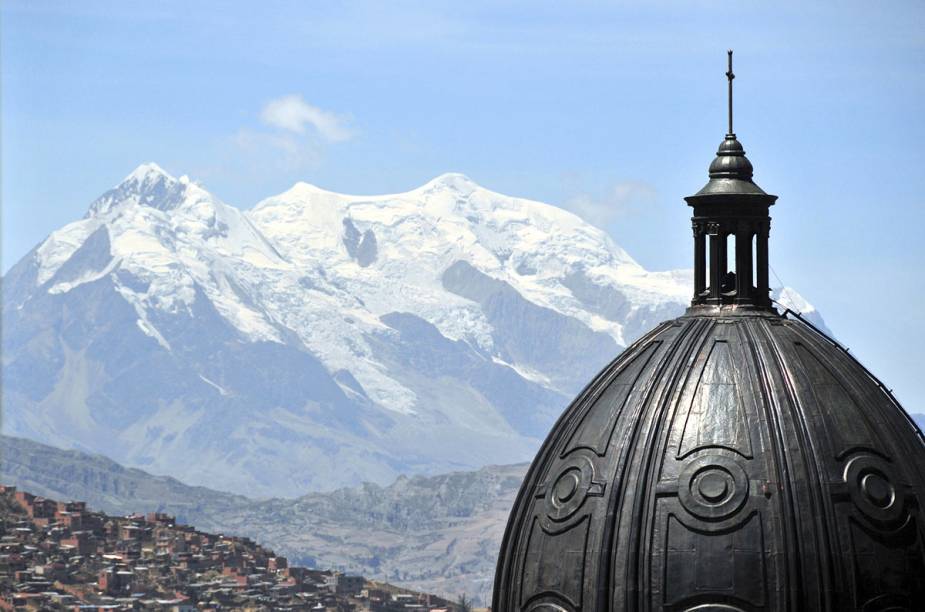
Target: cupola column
column 744, row 263
column 717, row 262
column 761, row 255
column 700, row 260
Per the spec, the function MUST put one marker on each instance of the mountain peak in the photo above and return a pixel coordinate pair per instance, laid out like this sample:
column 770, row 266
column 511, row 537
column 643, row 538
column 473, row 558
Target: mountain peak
column 148, row 184
column 304, row 187
column 455, row 181
column 148, row 171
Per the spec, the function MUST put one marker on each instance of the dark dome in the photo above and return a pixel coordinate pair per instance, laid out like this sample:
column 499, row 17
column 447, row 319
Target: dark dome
column 730, row 161
column 733, row 459
column 730, row 173
column 726, row 462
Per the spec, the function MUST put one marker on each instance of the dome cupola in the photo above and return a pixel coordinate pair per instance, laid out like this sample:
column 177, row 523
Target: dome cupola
column 731, row 207
column 733, row 459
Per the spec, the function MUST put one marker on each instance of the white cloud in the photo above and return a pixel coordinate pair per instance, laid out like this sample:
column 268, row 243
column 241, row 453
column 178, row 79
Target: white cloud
column 626, row 197
column 294, row 114
column 293, row 135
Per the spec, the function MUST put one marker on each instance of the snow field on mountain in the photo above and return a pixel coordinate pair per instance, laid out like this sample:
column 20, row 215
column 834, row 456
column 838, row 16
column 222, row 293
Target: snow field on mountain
column 319, row 339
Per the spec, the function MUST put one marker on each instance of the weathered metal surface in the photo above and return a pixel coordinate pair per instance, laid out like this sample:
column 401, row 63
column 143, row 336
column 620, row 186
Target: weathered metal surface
column 740, row 460
column 732, row 459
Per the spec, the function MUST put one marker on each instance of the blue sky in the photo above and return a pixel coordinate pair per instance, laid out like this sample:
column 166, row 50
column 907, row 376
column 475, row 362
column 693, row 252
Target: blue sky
column 611, row 109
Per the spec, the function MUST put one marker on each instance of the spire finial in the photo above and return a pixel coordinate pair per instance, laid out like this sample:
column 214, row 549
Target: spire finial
column 730, row 76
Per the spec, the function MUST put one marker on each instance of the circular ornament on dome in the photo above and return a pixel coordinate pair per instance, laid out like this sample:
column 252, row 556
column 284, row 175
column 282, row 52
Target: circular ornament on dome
column 569, row 489
column 712, row 487
column 872, row 490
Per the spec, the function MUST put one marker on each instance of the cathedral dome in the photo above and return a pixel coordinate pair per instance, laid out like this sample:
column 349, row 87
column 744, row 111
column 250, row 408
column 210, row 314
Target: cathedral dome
column 732, row 459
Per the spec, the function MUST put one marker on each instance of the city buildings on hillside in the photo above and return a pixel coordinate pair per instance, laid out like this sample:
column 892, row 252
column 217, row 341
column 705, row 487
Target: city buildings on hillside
column 62, row 555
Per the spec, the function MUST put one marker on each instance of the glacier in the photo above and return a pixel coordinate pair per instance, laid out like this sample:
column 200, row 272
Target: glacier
column 318, row 339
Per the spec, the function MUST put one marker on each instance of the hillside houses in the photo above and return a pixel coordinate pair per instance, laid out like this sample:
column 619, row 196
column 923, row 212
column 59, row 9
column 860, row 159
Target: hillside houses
column 62, row 555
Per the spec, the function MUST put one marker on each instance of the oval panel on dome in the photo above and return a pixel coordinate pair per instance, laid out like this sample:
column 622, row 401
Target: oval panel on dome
column 595, row 428
column 845, row 424
column 563, row 580
column 724, row 565
column 716, row 412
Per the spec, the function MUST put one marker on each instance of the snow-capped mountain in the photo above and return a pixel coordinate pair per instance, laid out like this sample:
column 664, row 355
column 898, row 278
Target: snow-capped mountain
column 317, row 339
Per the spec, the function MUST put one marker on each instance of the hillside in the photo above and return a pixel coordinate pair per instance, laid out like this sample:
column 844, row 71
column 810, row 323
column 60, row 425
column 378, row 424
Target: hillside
column 63, row 555
column 438, row 534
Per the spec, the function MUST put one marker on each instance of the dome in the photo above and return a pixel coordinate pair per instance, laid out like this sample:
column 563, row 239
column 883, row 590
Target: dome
column 733, row 459
column 726, row 461
column 730, row 173
column 730, row 161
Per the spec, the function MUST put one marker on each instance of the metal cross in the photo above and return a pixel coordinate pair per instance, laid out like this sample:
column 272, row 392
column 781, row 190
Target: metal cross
column 730, row 76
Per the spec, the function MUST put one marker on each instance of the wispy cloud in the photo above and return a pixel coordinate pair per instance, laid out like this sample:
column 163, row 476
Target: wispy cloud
column 291, row 136
column 281, row 150
column 622, row 199
column 293, row 114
